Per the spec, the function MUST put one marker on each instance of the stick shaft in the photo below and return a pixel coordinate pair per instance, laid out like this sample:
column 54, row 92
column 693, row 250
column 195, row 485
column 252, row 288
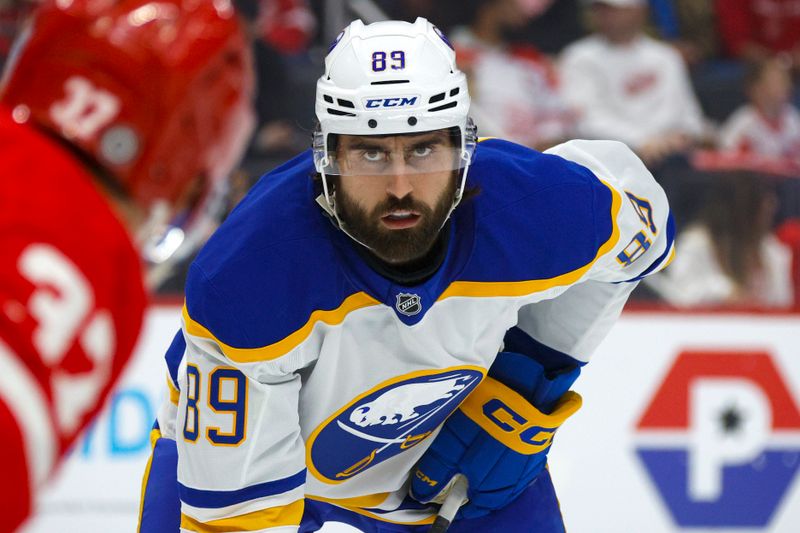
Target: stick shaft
column 454, row 500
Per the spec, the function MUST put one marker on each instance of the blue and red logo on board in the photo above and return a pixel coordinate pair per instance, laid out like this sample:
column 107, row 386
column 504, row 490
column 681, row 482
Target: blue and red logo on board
column 720, row 439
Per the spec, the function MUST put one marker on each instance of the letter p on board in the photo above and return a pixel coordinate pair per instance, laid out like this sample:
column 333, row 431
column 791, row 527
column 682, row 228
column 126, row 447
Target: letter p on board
column 730, row 422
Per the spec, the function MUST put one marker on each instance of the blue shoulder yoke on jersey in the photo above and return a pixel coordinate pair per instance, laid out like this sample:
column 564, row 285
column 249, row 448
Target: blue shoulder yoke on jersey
column 268, row 268
column 278, row 253
column 173, row 358
column 561, row 211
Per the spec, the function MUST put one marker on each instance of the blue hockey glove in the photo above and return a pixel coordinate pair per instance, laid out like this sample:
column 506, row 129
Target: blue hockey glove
column 499, row 437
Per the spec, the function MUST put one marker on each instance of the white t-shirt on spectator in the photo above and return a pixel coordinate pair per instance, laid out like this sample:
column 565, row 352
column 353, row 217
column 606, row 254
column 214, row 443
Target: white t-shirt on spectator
column 514, row 91
column 630, row 93
column 749, row 131
column 696, row 279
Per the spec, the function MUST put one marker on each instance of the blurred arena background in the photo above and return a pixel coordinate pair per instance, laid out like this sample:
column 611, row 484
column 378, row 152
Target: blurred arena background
column 705, row 433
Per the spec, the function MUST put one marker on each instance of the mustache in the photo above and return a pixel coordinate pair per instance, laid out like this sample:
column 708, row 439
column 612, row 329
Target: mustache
column 407, row 203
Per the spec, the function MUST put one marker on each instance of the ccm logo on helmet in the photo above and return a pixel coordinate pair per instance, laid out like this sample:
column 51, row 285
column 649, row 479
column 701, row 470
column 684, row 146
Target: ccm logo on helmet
column 395, row 101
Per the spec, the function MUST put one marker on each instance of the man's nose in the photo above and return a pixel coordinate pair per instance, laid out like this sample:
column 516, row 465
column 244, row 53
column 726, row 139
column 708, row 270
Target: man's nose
column 399, row 182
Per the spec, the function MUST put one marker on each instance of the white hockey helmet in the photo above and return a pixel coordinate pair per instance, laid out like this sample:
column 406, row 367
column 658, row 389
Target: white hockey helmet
column 390, row 78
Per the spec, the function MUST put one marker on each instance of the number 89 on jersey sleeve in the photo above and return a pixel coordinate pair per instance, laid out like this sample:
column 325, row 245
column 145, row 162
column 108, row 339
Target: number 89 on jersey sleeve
column 216, row 405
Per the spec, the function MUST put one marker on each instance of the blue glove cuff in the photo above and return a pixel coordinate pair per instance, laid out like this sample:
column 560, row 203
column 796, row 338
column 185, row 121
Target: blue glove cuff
column 524, row 375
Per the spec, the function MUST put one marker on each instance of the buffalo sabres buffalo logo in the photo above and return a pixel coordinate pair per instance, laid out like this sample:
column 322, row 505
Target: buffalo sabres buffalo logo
column 392, row 418
column 408, row 304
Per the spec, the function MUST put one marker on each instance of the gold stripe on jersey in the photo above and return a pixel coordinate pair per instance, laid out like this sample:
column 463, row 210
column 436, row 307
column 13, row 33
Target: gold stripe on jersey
column 174, row 393
column 671, row 257
column 331, row 317
column 155, row 434
column 384, row 518
column 524, row 288
column 286, row 515
column 369, row 501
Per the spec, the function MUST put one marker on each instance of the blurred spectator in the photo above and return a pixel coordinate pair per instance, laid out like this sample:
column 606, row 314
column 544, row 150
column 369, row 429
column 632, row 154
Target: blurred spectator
column 689, row 26
column 756, row 30
column 730, row 256
column 764, row 135
column 629, row 87
column 769, row 126
column 277, row 131
column 515, row 91
column 556, row 24
column 282, row 31
column 444, row 13
column 287, row 25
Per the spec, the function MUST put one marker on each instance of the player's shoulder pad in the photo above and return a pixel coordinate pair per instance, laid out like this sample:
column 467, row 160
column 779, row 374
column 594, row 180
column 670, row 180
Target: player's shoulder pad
column 643, row 229
column 269, row 270
column 535, row 217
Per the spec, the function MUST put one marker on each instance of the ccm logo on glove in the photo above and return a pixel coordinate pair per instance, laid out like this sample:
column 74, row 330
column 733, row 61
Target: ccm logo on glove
column 512, row 420
column 425, row 479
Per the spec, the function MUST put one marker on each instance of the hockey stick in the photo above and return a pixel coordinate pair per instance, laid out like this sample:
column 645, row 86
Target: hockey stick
column 454, row 500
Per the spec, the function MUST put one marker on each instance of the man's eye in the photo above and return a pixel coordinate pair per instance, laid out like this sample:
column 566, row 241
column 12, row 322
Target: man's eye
column 422, row 151
column 373, row 156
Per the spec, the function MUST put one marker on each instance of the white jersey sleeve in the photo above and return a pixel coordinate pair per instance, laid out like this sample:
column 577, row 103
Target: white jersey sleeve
column 241, row 455
column 576, row 321
column 644, row 231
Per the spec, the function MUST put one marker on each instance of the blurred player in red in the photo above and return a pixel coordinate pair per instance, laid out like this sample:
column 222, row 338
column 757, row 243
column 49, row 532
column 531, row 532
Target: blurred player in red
column 110, row 110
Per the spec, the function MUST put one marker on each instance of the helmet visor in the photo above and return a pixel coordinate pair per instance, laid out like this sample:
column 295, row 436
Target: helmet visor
column 377, row 155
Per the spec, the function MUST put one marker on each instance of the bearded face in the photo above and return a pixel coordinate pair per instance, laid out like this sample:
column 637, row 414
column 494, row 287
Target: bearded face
column 395, row 192
column 397, row 230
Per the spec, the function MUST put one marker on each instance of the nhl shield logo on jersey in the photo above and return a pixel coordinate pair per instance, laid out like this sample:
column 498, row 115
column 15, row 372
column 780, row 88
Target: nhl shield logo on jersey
column 391, row 418
column 409, row 304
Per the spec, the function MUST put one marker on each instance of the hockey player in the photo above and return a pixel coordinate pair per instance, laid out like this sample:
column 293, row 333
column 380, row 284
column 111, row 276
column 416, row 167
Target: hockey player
column 107, row 109
column 395, row 307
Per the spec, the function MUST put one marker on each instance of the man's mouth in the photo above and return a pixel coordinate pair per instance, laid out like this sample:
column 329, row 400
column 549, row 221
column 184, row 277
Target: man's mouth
column 400, row 219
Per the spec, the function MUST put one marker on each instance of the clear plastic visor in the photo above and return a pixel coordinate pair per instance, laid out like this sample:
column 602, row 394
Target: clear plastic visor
column 373, row 155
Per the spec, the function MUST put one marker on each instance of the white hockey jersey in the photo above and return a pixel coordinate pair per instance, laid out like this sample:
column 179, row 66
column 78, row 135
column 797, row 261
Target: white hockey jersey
column 308, row 377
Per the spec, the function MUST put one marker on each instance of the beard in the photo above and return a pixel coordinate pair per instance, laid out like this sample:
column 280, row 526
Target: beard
column 398, row 246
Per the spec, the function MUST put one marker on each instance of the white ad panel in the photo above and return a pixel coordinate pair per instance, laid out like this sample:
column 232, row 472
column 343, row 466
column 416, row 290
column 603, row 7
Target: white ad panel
column 98, row 488
column 689, row 423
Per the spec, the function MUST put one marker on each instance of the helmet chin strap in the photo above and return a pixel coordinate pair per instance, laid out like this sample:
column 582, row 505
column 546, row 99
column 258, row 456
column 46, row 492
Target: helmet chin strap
column 468, row 136
column 328, row 204
column 460, row 190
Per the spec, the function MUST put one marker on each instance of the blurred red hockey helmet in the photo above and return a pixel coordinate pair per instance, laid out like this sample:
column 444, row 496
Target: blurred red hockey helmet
column 159, row 93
